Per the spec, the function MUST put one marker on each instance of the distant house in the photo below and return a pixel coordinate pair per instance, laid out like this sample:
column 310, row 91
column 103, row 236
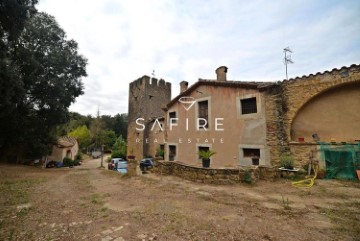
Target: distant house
column 66, row 146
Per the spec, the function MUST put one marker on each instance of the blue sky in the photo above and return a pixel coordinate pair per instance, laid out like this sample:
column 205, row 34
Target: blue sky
column 187, row 40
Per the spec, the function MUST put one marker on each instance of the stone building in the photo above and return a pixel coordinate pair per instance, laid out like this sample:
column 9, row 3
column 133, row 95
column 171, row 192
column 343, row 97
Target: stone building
column 245, row 121
column 146, row 98
column 66, row 146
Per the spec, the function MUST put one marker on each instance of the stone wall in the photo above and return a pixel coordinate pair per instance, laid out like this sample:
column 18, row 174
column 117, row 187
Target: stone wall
column 301, row 152
column 146, row 98
column 284, row 100
column 299, row 91
column 213, row 176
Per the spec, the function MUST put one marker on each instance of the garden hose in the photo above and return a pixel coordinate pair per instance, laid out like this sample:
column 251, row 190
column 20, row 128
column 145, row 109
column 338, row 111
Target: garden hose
column 306, row 183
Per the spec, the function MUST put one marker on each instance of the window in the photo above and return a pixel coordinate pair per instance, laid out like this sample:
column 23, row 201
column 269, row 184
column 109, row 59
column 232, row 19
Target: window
column 249, row 152
column 172, row 153
column 203, row 113
column 254, row 154
column 172, row 115
column 248, row 106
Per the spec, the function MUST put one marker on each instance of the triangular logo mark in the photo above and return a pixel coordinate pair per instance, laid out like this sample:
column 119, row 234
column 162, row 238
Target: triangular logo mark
column 187, row 102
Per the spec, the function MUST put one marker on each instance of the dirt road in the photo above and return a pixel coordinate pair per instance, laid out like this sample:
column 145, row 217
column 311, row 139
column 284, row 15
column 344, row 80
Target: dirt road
column 89, row 203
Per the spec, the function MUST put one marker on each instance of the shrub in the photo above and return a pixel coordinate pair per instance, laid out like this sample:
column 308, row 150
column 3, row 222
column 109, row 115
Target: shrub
column 206, row 154
column 287, row 161
column 78, row 157
column 67, row 162
column 247, row 177
column 108, row 159
column 116, row 154
column 76, row 162
column 160, row 152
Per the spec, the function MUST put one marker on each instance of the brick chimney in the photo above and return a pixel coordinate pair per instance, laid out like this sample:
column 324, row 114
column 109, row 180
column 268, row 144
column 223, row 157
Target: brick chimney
column 221, row 73
column 183, row 86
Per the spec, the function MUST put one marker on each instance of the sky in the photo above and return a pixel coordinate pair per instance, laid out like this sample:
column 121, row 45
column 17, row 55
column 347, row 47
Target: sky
column 188, row 39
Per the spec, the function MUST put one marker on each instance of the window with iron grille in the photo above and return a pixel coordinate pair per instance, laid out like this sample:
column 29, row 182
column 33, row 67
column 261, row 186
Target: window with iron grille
column 203, row 113
column 248, row 106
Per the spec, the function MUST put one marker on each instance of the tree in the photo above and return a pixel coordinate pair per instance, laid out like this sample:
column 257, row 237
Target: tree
column 119, row 148
column 97, row 131
column 13, row 15
column 120, row 125
column 45, row 80
column 83, row 134
column 109, row 139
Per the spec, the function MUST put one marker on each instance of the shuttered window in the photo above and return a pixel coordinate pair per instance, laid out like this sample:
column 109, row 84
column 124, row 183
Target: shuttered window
column 203, row 113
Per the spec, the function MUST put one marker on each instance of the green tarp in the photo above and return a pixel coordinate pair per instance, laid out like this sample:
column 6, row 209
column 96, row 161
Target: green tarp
column 341, row 160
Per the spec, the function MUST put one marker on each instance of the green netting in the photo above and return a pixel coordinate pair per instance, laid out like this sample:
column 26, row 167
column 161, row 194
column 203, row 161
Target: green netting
column 341, row 161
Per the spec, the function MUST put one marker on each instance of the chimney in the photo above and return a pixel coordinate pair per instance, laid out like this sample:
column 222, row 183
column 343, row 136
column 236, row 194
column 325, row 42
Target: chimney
column 221, row 73
column 183, row 86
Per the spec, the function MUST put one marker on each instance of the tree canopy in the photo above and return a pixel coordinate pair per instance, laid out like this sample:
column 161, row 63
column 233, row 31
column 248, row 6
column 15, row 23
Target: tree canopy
column 40, row 75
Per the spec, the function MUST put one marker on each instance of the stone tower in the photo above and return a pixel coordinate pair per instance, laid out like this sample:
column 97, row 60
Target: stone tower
column 147, row 96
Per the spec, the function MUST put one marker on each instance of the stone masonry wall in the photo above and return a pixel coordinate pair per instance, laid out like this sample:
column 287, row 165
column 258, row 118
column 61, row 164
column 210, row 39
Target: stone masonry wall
column 299, row 91
column 213, row 176
column 285, row 99
column 146, row 98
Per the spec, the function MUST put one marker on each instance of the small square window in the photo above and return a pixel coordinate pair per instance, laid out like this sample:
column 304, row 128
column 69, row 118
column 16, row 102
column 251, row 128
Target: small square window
column 172, row 115
column 254, row 154
column 248, row 106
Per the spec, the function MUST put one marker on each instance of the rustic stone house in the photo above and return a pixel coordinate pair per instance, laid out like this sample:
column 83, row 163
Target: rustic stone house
column 66, row 146
column 248, row 123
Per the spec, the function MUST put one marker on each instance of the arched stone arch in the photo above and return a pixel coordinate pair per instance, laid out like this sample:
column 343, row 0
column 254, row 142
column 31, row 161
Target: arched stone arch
column 300, row 91
column 333, row 114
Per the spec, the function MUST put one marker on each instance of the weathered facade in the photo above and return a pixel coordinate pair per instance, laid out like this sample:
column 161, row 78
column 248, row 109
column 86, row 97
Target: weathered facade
column 236, row 137
column 66, row 146
column 304, row 111
column 147, row 96
column 245, row 121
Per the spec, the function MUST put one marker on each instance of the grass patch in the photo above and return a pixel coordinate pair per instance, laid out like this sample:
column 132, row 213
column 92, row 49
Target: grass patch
column 286, row 203
column 96, row 199
column 346, row 218
column 23, row 212
column 16, row 191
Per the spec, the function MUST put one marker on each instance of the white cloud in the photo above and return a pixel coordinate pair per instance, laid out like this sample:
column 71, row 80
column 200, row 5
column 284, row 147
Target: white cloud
column 187, row 40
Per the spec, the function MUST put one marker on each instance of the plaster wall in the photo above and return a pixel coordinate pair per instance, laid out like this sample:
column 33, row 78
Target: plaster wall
column 333, row 115
column 224, row 105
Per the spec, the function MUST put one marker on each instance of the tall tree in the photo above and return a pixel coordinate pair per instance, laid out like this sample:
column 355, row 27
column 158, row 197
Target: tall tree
column 50, row 71
column 83, row 133
column 13, row 15
column 97, row 131
column 120, row 125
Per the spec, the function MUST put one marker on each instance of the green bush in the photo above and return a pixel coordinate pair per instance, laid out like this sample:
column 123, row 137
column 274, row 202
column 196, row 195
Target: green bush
column 116, row 154
column 247, row 177
column 287, row 161
column 78, row 157
column 160, row 152
column 108, row 159
column 76, row 162
column 67, row 162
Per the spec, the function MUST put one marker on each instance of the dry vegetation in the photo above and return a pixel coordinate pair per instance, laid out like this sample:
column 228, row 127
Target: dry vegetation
column 87, row 203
